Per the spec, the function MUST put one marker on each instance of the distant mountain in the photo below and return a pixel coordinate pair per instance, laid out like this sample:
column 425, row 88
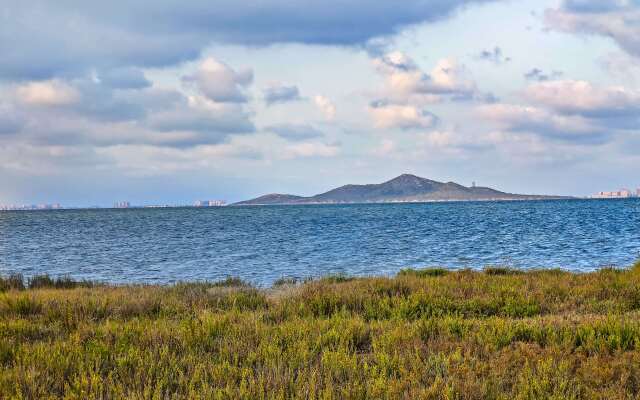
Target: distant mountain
column 405, row 188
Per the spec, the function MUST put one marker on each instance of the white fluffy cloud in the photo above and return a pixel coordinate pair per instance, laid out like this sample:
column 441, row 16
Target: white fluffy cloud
column 405, row 81
column 581, row 97
column 401, row 116
column 219, row 82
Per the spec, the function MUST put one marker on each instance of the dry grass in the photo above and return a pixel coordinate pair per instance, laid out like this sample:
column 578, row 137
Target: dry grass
column 495, row 334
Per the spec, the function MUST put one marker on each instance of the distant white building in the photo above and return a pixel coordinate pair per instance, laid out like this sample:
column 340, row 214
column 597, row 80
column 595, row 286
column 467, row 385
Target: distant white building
column 620, row 194
column 122, row 204
column 210, row 203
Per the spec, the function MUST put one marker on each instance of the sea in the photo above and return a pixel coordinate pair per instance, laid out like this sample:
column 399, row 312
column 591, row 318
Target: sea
column 261, row 244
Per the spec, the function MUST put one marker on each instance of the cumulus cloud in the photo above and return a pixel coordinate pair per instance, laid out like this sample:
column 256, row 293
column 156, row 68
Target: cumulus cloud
column 219, row 82
column 516, row 118
column 405, row 80
column 581, row 97
column 115, row 111
column 408, row 89
column 617, row 19
column 294, row 132
column 574, row 111
column 279, row 93
column 47, row 93
column 325, row 106
column 401, row 116
column 495, row 56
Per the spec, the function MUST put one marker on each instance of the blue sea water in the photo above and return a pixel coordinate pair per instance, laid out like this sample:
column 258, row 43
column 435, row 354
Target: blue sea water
column 261, row 244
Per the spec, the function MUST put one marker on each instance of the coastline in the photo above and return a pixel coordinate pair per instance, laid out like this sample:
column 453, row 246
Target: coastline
column 428, row 333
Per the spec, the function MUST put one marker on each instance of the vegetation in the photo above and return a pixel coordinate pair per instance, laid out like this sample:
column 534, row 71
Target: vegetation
column 494, row 334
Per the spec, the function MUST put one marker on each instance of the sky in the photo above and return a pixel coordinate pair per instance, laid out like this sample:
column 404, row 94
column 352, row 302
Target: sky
column 168, row 102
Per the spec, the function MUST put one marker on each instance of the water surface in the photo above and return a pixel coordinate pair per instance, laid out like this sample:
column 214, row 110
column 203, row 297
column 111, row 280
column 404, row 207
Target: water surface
column 261, row 244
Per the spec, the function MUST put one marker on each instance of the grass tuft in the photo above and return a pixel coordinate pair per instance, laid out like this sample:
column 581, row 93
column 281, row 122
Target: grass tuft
column 63, row 282
column 426, row 272
column 491, row 270
column 231, row 282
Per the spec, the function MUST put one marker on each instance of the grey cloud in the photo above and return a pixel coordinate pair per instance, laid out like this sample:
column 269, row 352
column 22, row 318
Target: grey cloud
column 203, row 122
column 594, row 6
column 281, row 94
column 124, row 78
column 617, row 19
column 495, row 56
column 515, row 118
column 102, row 104
column 40, row 40
column 106, row 117
column 573, row 111
column 294, row 132
column 536, row 74
column 10, row 121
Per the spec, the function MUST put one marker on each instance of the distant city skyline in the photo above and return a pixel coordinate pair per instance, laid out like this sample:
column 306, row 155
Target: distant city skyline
column 615, row 194
column 167, row 102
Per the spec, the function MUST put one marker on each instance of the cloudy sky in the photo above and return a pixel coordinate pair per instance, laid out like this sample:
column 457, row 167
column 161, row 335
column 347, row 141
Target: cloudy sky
column 172, row 101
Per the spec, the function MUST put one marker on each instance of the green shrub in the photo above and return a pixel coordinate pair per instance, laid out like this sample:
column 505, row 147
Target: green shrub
column 231, row 282
column 491, row 270
column 426, row 272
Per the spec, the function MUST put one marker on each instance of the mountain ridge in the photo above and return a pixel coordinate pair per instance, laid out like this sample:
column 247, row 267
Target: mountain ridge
column 403, row 188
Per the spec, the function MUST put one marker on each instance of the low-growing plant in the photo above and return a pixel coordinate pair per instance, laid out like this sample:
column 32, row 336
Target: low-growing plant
column 231, row 282
column 463, row 335
column 425, row 272
column 494, row 270
column 337, row 278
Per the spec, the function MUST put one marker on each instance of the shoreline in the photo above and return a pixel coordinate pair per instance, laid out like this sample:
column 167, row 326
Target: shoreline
column 235, row 205
column 45, row 281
